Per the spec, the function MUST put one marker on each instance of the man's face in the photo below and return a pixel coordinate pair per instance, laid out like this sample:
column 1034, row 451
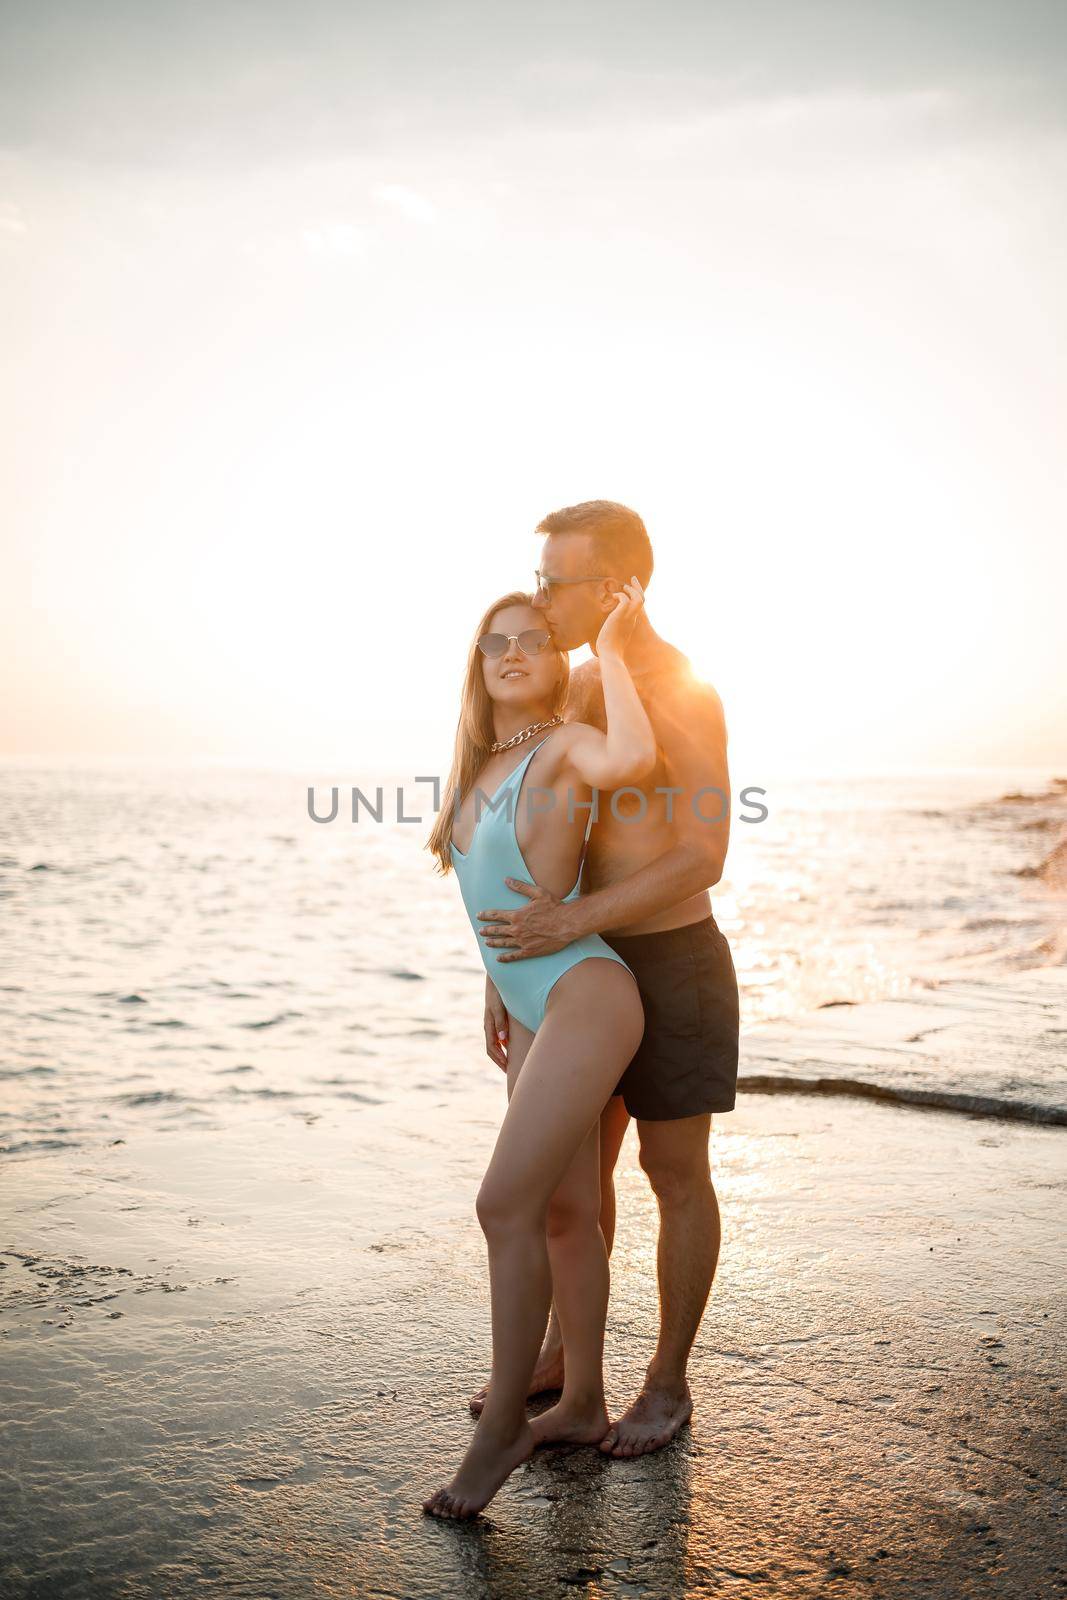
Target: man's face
column 573, row 612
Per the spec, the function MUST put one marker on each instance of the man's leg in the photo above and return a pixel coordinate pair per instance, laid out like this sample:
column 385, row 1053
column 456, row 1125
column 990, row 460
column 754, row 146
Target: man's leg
column 548, row 1373
column 614, row 1121
column 675, row 1156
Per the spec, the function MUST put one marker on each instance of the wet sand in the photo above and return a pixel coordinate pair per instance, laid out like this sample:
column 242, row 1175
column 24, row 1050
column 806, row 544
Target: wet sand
column 236, row 1362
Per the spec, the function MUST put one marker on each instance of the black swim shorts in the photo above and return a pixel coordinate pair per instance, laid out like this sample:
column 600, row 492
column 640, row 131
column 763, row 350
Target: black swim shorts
column 686, row 1062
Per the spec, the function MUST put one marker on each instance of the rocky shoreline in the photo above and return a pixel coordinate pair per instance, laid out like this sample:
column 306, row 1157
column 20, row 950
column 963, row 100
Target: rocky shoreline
column 993, row 1048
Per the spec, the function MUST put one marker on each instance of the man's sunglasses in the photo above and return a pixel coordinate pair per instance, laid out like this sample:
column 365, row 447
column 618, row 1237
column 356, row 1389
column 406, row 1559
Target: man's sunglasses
column 531, row 642
column 545, row 585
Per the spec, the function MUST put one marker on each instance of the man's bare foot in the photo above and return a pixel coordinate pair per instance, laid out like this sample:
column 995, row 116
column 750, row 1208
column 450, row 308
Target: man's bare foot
column 490, row 1460
column 571, row 1422
column 651, row 1422
column 547, row 1378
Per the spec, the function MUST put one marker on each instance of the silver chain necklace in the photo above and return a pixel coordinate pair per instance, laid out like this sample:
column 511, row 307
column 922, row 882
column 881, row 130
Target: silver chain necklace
column 527, row 733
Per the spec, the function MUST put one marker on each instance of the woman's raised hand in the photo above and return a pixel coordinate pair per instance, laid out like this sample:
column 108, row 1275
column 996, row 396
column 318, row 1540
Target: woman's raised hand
column 618, row 626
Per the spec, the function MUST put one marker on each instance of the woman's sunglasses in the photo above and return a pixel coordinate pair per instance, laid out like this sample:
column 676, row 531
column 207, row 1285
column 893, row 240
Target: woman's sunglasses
column 531, row 641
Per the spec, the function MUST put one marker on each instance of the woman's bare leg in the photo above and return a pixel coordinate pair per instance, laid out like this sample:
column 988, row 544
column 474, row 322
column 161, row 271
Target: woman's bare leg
column 548, row 1373
column 591, row 1029
column 520, row 1039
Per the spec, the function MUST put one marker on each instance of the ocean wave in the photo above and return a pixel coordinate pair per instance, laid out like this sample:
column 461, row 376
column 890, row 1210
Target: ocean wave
column 979, row 924
column 263, row 1093
column 154, row 1097
column 271, row 1022
column 27, row 1146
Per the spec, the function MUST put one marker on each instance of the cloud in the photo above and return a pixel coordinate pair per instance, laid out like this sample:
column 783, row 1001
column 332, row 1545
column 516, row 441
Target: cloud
column 408, row 202
column 199, row 87
column 12, row 221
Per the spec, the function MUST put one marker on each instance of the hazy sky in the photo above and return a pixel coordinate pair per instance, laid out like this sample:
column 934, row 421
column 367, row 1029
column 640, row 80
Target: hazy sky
column 310, row 311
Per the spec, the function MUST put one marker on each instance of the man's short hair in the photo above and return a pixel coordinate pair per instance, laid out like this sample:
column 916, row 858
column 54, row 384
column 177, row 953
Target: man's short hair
column 620, row 539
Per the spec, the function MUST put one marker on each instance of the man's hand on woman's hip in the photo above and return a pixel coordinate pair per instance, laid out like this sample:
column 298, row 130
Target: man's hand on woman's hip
column 544, row 925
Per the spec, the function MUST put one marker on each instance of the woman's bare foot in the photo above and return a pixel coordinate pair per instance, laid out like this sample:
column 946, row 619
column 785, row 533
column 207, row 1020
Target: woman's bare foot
column 490, row 1460
column 547, row 1379
column 571, row 1422
column 651, row 1422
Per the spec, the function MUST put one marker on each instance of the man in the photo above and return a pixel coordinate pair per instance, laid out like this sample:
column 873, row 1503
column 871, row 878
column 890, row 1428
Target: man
column 653, row 855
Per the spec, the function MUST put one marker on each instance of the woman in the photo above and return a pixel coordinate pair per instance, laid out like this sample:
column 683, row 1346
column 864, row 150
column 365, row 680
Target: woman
column 575, row 1018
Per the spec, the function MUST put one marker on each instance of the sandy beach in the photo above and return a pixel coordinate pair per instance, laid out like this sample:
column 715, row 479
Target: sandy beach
column 235, row 1363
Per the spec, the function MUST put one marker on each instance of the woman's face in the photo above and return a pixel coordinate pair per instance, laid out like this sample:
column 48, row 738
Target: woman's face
column 515, row 678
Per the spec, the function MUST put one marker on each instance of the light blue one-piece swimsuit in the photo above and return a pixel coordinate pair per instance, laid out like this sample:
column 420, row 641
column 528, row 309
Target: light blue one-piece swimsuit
column 494, row 855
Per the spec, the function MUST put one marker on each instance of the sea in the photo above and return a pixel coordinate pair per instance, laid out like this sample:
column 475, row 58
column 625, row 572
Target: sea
column 182, row 947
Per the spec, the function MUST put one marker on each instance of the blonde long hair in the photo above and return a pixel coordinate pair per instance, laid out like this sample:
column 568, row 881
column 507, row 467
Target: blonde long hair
column 474, row 731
